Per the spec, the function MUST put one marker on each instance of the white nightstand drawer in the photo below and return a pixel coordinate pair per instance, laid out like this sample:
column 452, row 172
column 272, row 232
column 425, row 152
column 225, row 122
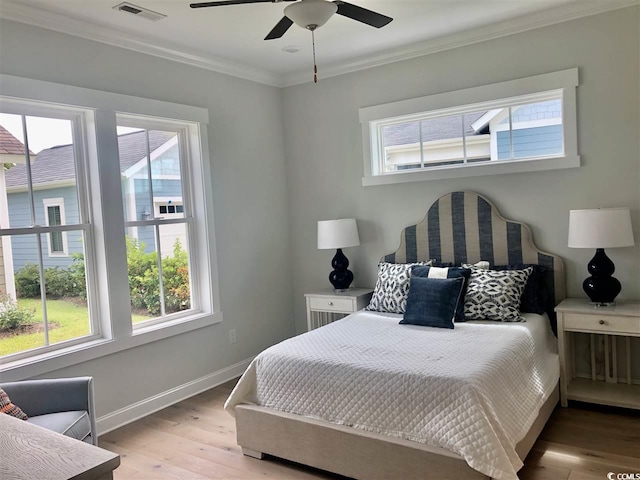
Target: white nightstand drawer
column 602, row 323
column 331, row 304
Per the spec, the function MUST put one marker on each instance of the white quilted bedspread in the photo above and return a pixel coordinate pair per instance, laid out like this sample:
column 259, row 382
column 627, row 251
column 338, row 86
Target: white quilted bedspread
column 474, row 390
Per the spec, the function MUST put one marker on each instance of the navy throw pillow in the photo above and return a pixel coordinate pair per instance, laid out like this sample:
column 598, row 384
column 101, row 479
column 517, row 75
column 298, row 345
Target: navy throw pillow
column 535, row 298
column 432, row 302
column 451, row 272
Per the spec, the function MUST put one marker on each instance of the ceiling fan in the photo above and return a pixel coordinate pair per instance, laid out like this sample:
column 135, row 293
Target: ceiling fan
column 309, row 14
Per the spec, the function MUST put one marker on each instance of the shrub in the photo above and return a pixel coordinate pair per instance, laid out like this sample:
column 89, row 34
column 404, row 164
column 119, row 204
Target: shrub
column 77, row 277
column 11, row 315
column 143, row 279
column 58, row 282
column 28, row 281
column 175, row 278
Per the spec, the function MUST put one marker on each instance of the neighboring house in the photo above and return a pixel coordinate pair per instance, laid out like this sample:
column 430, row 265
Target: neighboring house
column 53, row 176
column 536, row 130
column 11, row 153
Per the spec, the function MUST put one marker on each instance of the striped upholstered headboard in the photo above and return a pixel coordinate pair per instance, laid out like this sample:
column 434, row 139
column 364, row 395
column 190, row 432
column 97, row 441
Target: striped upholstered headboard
column 464, row 227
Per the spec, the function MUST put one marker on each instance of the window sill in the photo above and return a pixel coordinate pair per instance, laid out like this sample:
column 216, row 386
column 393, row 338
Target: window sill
column 66, row 357
column 470, row 170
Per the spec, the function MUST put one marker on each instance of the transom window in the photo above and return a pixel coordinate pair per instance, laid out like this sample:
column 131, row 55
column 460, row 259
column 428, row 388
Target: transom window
column 476, row 138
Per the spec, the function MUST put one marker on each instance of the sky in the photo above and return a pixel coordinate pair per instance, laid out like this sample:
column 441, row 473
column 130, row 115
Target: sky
column 43, row 132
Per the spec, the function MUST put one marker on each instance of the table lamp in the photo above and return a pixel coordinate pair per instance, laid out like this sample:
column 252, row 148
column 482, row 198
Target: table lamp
column 339, row 234
column 601, row 228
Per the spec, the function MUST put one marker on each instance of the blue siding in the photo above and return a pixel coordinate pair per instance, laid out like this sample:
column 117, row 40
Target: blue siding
column 531, row 142
column 25, row 246
column 161, row 188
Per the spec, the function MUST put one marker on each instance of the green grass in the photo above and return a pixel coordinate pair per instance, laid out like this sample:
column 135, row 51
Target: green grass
column 72, row 319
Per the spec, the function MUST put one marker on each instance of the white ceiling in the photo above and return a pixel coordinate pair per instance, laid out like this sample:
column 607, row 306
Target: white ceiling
column 230, row 38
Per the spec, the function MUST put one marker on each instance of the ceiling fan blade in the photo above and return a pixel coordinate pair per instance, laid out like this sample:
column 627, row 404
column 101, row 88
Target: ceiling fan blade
column 362, row 14
column 280, row 29
column 227, row 2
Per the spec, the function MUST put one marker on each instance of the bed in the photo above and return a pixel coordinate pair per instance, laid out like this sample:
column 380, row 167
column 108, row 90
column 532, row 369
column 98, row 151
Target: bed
column 343, row 398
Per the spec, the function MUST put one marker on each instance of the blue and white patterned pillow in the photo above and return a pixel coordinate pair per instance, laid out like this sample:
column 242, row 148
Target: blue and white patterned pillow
column 495, row 295
column 392, row 287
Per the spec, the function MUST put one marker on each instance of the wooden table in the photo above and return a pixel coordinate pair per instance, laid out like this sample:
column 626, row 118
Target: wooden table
column 30, row 452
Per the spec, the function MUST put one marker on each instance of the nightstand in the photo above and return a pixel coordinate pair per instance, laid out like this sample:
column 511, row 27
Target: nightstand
column 326, row 306
column 617, row 324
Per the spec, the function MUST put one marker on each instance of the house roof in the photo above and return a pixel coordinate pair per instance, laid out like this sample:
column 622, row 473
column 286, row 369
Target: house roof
column 56, row 164
column 442, row 128
column 10, row 145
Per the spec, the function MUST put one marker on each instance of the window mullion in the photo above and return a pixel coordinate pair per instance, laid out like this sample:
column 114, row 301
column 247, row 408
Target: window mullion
column 110, row 239
column 510, row 134
column 421, row 144
column 27, row 157
column 464, row 142
column 156, row 228
column 43, row 289
column 160, row 281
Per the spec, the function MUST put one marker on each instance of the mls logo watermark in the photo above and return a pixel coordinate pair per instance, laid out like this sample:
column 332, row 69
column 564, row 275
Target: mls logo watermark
column 623, row 476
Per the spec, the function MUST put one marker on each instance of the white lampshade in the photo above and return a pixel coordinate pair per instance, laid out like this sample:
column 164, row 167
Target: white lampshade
column 310, row 12
column 341, row 233
column 600, row 228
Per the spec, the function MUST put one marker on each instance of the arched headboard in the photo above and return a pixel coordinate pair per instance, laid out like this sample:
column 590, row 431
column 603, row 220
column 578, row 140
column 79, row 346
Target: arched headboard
column 465, row 227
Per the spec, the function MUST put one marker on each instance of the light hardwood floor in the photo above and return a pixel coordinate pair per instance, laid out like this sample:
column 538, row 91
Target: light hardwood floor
column 195, row 439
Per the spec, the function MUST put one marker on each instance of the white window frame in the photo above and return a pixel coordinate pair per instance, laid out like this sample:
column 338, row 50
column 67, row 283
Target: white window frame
column 182, row 131
column 98, row 111
column 56, row 202
column 77, row 118
column 487, row 97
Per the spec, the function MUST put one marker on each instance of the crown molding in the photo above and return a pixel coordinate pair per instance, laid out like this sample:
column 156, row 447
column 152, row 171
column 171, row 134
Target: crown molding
column 481, row 34
column 91, row 31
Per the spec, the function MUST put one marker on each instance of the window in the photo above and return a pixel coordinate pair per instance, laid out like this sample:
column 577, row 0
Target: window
column 154, row 166
column 71, row 220
column 169, row 209
column 515, row 126
column 43, row 302
column 54, row 216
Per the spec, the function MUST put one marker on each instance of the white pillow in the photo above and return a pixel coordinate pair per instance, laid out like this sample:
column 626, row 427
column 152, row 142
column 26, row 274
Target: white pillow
column 392, row 287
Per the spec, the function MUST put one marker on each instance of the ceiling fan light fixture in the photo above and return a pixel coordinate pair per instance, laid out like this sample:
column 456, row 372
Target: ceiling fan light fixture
column 310, row 14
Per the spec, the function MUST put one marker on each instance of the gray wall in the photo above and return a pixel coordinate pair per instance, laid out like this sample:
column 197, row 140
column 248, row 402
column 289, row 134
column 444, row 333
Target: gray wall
column 249, row 189
column 266, row 209
column 324, row 148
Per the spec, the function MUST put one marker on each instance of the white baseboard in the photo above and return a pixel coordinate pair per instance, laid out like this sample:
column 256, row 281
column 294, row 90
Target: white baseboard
column 145, row 407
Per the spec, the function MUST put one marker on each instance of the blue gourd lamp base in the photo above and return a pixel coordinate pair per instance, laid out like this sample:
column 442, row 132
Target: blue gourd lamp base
column 341, row 277
column 601, row 287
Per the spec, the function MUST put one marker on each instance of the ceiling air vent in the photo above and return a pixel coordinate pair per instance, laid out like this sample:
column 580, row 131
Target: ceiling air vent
column 132, row 9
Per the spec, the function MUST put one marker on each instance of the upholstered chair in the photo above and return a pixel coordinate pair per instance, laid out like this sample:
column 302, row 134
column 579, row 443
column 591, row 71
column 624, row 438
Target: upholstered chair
column 64, row 405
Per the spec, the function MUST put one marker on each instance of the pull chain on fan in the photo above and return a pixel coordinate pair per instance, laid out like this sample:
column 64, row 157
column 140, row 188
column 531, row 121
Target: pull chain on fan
column 315, row 65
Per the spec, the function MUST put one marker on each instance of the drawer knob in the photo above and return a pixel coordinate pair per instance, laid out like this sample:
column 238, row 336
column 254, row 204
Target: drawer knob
column 331, row 303
column 602, row 322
